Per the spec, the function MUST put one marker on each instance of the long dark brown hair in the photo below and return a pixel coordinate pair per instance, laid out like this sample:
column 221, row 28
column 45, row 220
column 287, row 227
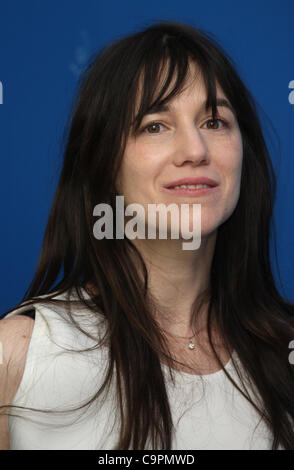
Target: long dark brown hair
column 252, row 317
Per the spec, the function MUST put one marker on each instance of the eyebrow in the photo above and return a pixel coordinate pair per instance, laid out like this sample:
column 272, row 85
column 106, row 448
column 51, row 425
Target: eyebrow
column 166, row 108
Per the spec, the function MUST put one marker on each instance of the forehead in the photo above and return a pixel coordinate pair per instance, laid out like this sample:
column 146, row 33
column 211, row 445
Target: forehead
column 193, row 83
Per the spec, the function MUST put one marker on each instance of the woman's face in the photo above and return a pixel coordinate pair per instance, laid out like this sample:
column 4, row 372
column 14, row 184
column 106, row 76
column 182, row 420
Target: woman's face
column 182, row 142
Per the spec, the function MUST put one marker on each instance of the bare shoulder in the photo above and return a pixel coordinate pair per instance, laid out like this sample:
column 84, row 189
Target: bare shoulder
column 15, row 335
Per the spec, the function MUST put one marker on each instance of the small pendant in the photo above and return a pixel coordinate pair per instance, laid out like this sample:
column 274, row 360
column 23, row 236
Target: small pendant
column 191, row 345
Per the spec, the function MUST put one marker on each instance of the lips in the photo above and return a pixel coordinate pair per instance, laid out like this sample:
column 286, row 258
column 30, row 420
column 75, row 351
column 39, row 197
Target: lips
column 192, row 180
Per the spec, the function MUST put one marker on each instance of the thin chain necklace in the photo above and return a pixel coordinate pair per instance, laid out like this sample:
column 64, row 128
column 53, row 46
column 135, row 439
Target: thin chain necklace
column 191, row 344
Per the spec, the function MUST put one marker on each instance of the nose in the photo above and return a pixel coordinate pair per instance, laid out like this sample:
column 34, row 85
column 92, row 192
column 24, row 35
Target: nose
column 190, row 147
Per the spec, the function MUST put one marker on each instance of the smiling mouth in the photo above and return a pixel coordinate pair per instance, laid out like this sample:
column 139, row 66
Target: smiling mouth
column 190, row 186
column 191, row 189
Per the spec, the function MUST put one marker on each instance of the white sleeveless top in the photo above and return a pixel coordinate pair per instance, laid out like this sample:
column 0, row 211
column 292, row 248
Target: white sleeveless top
column 211, row 414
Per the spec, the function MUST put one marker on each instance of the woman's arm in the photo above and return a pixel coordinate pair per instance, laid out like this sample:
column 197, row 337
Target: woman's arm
column 15, row 335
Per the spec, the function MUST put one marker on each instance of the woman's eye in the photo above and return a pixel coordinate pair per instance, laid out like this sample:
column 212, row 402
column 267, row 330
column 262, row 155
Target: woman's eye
column 153, row 127
column 215, row 121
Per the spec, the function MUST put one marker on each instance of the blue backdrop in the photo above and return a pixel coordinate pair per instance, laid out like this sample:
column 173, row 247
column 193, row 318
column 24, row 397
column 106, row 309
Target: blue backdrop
column 43, row 48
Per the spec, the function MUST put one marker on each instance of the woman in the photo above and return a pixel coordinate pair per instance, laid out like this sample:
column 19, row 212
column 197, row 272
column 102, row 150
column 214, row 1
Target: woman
column 170, row 348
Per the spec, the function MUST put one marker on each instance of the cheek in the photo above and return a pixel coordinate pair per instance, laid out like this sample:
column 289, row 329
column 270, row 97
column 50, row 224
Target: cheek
column 234, row 171
column 131, row 177
column 232, row 165
column 234, row 185
column 231, row 169
column 139, row 168
column 238, row 169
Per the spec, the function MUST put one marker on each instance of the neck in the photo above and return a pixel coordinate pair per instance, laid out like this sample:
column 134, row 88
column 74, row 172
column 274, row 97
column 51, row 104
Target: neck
column 176, row 280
